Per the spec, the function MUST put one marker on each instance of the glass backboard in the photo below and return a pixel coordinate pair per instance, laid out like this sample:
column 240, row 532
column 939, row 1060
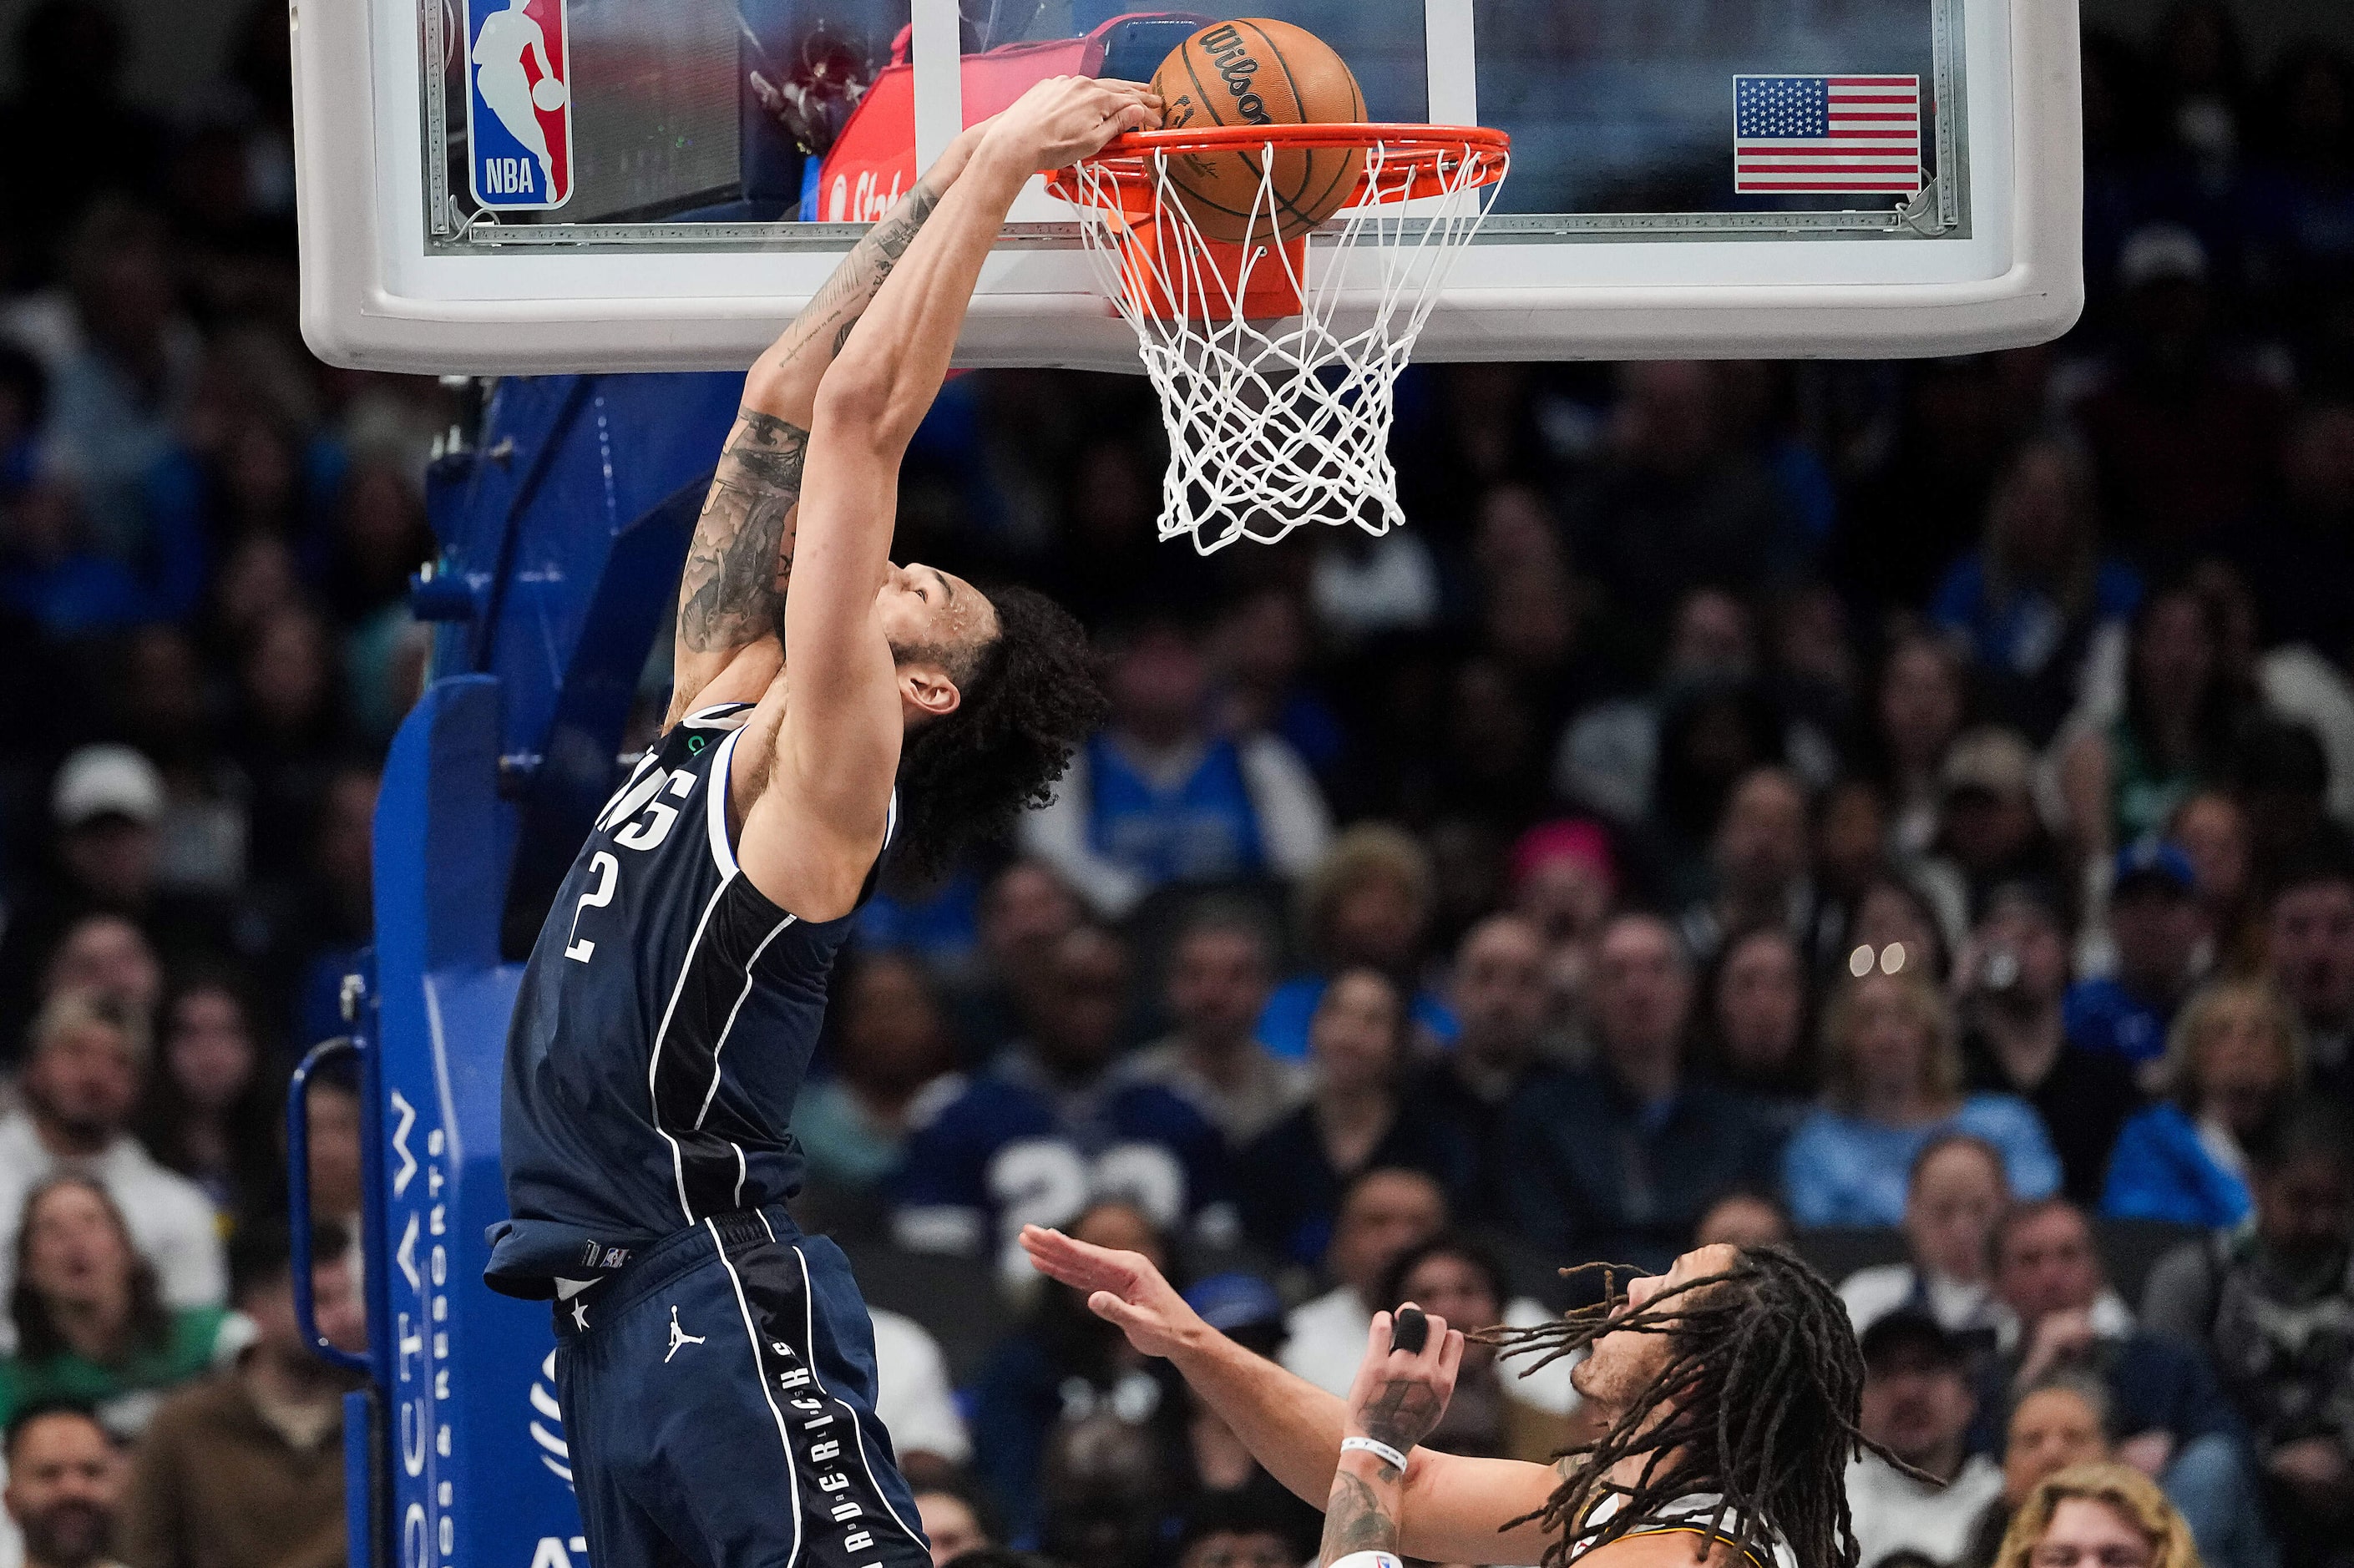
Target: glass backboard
column 546, row 184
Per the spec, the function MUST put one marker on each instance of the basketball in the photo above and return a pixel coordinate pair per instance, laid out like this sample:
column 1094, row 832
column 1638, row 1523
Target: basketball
column 1258, row 71
column 547, row 95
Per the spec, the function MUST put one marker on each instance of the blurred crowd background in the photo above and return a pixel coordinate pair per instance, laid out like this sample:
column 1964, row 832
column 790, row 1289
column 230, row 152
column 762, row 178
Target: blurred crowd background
column 1901, row 808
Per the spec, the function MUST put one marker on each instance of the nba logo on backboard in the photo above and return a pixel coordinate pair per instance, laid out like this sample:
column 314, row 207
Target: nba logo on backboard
column 519, row 66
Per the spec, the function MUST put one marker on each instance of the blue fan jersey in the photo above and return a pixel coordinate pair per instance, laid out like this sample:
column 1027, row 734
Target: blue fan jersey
column 664, row 1027
column 1014, row 1148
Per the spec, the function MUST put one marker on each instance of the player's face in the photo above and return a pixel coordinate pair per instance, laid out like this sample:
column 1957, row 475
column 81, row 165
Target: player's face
column 1626, row 1363
column 937, row 613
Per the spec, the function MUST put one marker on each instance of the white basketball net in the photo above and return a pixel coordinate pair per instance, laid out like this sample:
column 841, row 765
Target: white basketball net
column 1278, row 421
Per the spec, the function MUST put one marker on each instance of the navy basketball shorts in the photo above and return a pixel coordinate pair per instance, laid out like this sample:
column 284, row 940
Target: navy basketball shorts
column 718, row 1399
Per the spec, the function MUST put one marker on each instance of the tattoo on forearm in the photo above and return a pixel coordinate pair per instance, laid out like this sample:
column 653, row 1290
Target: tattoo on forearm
column 734, row 587
column 1357, row 1517
column 836, row 306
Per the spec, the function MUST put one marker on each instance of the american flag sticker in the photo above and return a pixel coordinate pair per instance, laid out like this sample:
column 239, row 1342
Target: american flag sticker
column 1827, row 134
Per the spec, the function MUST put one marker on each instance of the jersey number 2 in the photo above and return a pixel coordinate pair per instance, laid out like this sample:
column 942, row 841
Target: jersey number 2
column 608, row 873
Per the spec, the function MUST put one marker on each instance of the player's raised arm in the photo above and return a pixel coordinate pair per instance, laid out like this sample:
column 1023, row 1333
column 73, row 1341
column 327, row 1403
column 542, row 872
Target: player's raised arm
column 1452, row 1508
column 843, row 729
column 731, row 597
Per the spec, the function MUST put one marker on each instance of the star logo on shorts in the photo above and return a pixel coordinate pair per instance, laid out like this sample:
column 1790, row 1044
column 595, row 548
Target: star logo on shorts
column 579, row 1314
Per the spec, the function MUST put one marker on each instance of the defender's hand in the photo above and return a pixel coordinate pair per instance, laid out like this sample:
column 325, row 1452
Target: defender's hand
column 1123, row 1289
column 1398, row 1395
column 1065, row 118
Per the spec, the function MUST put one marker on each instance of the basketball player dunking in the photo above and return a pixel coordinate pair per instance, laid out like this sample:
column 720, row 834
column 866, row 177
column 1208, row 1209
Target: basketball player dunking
column 1726, row 1391
column 715, row 1369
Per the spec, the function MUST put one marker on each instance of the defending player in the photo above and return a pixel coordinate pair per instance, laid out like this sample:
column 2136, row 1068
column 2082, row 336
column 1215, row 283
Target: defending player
column 1728, row 1390
column 715, row 1369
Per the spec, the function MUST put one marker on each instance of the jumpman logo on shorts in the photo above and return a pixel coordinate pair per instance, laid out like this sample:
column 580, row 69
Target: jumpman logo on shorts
column 679, row 1338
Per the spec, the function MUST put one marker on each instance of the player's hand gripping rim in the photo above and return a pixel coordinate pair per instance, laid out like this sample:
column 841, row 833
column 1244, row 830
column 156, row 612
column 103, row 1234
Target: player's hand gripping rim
column 1065, row 118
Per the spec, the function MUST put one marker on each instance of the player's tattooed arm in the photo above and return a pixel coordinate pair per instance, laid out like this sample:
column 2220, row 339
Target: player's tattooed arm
column 733, row 591
column 1398, row 1395
column 836, row 307
column 784, row 379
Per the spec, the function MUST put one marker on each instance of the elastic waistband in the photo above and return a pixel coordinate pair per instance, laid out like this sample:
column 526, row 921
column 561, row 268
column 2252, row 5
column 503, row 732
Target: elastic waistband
column 656, row 1266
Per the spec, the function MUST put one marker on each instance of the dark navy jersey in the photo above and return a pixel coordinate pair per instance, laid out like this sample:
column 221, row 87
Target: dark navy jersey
column 662, row 1031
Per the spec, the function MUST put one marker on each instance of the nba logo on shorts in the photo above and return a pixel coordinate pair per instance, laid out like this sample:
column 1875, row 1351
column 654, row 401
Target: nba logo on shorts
column 519, row 69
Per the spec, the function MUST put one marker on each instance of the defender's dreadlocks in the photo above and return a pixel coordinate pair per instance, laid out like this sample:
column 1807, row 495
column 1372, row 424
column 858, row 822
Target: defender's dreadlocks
column 1757, row 1404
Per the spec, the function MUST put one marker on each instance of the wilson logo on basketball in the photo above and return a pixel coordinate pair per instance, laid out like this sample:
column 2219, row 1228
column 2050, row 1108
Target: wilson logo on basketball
column 1233, row 62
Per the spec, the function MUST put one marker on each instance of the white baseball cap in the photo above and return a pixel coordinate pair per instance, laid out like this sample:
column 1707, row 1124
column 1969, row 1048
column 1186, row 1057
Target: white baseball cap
column 102, row 780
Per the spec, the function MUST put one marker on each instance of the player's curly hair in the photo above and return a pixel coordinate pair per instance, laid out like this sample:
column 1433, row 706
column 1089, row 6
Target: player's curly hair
column 1758, row 1405
column 1029, row 699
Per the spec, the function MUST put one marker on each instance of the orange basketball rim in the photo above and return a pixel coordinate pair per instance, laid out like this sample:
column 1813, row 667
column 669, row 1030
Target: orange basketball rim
column 1277, row 361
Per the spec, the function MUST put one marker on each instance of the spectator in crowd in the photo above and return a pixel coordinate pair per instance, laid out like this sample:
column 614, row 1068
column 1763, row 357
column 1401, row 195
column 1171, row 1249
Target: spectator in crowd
column 1053, row 1126
column 332, row 1127
column 1619, row 1159
column 1678, row 502
column 1499, row 998
column 2172, row 738
column 1742, row 1219
column 2312, row 936
column 1241, row 1530
column 1917, row 1403
column 1155, row 800
column 1610, row 758
column 1956, row 1195
column 1988, row 832
column 1025, row 912
column 2270, row 1305
column 2212, row 827
column 1246, row 1310
column 1104, row 1492
column 892, row 1045
column 1063, row 1368
column 1755, row 1026
column 2170, row 1419
column 107, row 956
column 65, row 1487
column 1759, row 860
column 89, row 1325
column 2235, row 1053
column 1385, row 1213
column 2158, row 927
column 214, row 1101
column 1290, row 1182
column 1895, row 912
column 914, row 1400
column 2103, row 1513
column 1563, row 878
column 81, row 1085
column 2186, row 437
column 2035, row 601
column 1367, row 904
column 1918, row 709
column 1221, row 969
column 2053, row 1425
column 2014, row 975
column 1892, row 1076
column 1495, row 1410
column 1262, row 648
column 104, row 804
column 957, row 1517
column 246, row 1468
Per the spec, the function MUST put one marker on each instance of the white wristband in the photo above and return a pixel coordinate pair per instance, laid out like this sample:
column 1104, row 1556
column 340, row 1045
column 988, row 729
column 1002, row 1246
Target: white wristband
column 1386, row 1455
column 1367, row 1560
